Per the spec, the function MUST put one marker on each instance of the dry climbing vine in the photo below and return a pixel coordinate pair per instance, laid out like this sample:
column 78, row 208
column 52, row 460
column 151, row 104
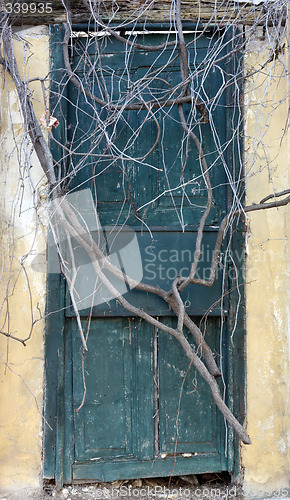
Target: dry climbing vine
column 109, row 106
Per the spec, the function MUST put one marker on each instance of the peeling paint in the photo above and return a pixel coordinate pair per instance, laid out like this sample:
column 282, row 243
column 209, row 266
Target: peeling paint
column 21, row 420
column 266, row 462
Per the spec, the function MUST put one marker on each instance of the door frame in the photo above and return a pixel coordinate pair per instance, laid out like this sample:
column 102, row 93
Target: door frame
column 57, row 446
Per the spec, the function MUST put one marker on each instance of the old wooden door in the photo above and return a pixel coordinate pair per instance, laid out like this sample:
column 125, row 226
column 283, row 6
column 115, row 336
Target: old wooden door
column 143, row 409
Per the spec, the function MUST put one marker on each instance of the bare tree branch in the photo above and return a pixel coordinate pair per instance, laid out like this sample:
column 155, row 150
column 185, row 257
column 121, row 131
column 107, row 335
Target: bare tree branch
column 140, row 96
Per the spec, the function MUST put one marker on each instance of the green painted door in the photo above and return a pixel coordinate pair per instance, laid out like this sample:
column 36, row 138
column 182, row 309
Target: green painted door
column 144, row 409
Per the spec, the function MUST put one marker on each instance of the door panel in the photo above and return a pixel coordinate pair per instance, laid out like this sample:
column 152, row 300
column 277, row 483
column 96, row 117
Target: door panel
column 185, row 403
column 168, row 166
column 145, row 410
column 111, row 427
column 139, row 383
column 118, row 367
column 109, row 394
column 164, row 255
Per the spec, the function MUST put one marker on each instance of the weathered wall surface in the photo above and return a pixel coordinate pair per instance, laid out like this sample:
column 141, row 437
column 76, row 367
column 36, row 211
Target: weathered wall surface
column 266, row 462
column 20, row 420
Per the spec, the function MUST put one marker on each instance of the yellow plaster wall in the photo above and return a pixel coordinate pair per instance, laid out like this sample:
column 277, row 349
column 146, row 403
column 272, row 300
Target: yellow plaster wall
column 21, row 382
column 266, row 461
